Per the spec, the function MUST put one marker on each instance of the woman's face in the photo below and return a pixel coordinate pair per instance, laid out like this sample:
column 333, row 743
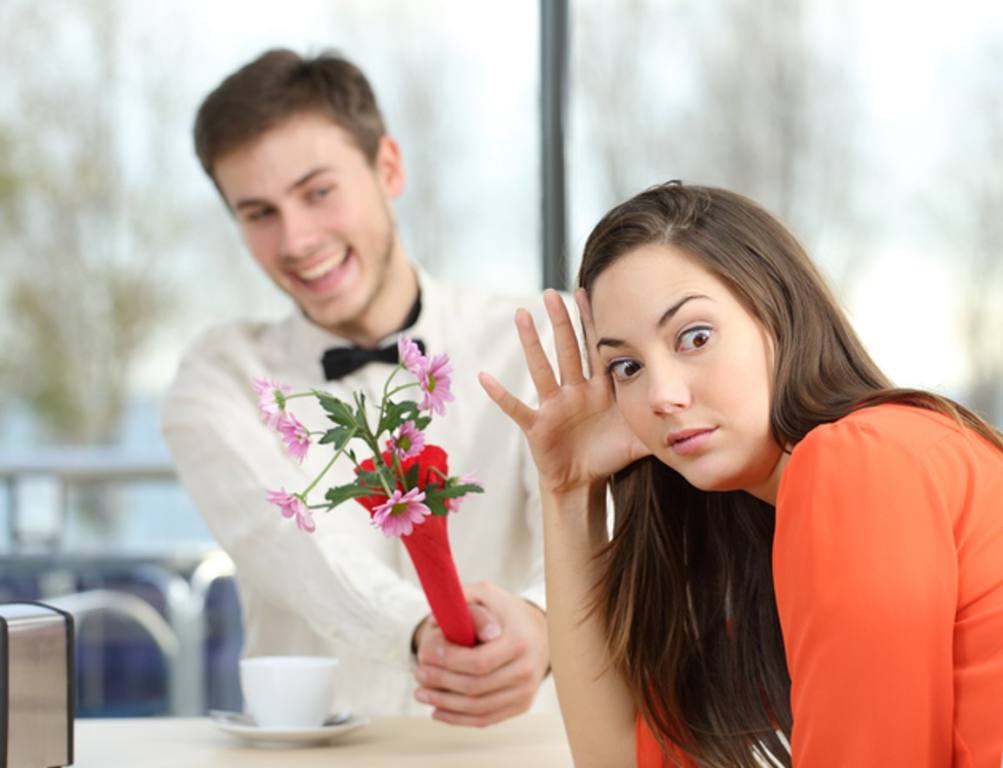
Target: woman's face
column 691, row 369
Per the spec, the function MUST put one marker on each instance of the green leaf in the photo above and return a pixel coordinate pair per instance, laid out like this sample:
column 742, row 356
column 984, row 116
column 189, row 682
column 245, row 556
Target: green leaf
column 343, row 493
column 337, row 437
column 337, row 410
column 411, row 477
column 360, row 408
column 422, row 421
column 455, row 491
column 396, row 414
column 436, row 506
column 371, row 479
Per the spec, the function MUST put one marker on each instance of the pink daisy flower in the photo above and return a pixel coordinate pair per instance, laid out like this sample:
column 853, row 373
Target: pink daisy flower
column 471, row 478
column 271, row 400
column 293, row 506
column 435, row 383
column 409, row 441
column 294, row 435
column 410, row 355
column 398, row 515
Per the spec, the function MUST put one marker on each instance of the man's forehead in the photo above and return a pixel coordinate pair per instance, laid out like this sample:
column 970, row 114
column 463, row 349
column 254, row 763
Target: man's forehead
column 270, row 173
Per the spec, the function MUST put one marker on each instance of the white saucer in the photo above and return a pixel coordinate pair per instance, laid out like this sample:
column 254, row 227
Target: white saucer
column 243, row 727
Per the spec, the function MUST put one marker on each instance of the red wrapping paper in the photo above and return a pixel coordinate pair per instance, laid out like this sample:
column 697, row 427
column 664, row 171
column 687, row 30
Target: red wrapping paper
column 428, row 547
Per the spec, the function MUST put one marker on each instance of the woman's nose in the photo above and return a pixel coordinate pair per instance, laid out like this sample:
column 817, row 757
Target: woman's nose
column 668, row 390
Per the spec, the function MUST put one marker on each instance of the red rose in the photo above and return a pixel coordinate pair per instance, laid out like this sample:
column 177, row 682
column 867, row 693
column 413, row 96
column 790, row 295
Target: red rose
column 432, row 457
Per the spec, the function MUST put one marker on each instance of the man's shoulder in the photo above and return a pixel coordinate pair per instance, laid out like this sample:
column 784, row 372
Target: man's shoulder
column 228, row 351
column 228, row 338
column 477, row 307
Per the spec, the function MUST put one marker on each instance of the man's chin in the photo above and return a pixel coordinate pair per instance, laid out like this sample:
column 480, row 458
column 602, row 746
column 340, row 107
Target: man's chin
column 332, row 312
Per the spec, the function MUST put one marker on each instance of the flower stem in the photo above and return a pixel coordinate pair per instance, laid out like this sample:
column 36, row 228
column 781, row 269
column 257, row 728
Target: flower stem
column 367, row 434
column 397, row 469
column 380, row 469
column 386, row 386
column 401, row 388
column 330, row 464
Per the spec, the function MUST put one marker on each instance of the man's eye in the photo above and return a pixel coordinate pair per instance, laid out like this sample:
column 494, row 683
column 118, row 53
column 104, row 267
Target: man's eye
column 259, row 214
column 693, row 339
column 623, row 370
column 320, row 193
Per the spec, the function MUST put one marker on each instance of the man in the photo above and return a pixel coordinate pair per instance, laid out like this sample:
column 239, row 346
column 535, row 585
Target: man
column 298, row 151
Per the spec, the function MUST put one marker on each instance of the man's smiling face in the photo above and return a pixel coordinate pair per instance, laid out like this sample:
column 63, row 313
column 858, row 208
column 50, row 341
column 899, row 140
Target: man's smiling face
column 315, row 213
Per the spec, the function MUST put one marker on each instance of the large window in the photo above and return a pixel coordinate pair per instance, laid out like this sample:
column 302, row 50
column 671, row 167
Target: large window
column 874, row 129
column 116, row 249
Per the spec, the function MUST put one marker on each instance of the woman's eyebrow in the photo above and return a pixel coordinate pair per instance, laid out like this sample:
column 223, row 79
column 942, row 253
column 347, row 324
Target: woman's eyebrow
column 667, row 315
column 671, row 311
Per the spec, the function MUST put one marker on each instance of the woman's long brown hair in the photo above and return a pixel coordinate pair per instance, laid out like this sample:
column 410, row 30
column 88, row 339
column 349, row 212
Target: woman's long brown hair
column 686, row 583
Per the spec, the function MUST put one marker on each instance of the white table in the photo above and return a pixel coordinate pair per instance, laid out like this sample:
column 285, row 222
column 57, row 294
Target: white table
column 529, row 741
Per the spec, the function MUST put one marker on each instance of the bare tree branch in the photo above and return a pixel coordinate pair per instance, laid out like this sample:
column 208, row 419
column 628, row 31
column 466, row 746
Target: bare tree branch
column 84, row 287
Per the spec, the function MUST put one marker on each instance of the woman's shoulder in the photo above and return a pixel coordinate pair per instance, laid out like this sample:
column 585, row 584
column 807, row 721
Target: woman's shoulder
column 890, row 447
column 881, row 430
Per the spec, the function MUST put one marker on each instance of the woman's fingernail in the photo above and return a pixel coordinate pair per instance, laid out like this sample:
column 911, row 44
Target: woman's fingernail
column 422, row 695
column 491, row 631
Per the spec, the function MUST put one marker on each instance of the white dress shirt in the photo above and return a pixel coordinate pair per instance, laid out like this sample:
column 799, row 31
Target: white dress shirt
column 346, row 590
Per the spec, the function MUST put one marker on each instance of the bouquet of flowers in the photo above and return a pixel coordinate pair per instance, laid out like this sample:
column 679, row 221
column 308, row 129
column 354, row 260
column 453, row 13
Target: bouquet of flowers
column 404, row 483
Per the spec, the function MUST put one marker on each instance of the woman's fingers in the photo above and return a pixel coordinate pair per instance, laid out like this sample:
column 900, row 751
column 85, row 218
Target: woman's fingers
column 511, row 405
column 536, row 359
column 582, row 300
column 569, row 356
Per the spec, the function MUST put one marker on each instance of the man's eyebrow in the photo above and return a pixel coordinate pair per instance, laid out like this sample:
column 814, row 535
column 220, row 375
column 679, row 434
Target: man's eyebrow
column 307, row 176
column 667, row 315
column 254, row 202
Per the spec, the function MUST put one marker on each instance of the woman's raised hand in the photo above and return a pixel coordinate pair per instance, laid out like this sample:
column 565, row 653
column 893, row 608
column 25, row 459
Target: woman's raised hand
column 577, row 435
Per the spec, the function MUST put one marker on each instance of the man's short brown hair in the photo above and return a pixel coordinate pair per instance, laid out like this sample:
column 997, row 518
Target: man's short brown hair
column 278, row 85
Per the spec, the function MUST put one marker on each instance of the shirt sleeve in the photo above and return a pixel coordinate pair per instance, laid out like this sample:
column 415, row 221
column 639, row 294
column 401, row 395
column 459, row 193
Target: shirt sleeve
column 866, row 578
column 226, row 458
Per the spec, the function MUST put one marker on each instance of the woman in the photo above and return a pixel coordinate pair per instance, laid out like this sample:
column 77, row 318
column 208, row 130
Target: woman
column 807, row 564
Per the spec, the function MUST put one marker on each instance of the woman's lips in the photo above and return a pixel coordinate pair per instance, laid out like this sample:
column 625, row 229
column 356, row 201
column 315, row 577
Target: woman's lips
column 689, row 440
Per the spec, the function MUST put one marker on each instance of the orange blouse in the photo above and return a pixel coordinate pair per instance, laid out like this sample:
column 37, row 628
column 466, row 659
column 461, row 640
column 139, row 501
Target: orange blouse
column 888, row 574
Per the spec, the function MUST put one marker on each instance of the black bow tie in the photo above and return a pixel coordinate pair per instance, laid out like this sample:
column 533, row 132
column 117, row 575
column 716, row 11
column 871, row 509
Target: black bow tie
column 341, row 361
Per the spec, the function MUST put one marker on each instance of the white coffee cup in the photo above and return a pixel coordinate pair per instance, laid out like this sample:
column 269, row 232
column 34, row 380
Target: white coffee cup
column 288, row 691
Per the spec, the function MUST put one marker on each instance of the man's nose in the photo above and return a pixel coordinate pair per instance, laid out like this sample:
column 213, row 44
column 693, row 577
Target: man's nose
column 301, row 236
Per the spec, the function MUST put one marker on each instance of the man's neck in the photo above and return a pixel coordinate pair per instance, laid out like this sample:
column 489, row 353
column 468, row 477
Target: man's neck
column 388, row 309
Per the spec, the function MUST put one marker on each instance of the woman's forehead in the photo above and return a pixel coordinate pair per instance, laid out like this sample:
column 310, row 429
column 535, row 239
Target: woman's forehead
column 641, row 281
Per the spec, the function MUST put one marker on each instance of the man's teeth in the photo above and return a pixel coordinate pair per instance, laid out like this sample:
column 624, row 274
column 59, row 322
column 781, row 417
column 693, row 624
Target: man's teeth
column 322, row 268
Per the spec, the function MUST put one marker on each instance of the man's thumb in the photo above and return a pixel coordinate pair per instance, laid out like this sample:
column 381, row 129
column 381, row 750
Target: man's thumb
column 485, row 623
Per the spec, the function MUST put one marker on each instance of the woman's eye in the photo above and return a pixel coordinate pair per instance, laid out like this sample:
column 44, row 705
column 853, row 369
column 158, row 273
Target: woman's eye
column 622, row 370
column 693, row 339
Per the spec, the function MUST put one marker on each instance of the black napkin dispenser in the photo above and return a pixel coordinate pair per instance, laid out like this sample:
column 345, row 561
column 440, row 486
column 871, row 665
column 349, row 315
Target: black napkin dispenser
column 36, row 686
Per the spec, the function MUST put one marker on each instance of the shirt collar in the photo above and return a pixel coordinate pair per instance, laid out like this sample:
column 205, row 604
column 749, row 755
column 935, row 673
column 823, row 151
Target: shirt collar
column 308, row 341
